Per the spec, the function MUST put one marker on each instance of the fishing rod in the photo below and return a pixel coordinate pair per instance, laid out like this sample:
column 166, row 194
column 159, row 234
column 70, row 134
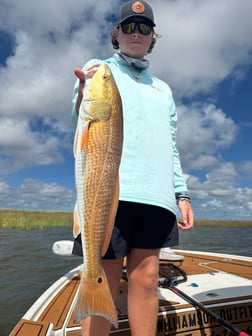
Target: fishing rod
column 172, row 276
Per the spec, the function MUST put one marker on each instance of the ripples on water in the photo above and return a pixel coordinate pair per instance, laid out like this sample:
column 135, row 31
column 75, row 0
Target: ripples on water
column 231, row 240
column 28, row 266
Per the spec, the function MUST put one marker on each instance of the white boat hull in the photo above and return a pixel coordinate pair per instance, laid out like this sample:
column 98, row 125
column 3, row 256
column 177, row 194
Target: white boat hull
column 222, row 283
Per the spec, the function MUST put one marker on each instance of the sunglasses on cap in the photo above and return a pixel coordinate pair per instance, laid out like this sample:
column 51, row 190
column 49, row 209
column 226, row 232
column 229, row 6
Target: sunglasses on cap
column 130, row 27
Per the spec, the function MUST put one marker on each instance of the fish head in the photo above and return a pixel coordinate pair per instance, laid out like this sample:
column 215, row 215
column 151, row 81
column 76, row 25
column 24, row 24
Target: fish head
column 98, row 94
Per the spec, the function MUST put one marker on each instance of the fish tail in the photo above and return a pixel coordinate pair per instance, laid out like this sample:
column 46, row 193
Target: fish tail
column 76, row 222
column 94, row 299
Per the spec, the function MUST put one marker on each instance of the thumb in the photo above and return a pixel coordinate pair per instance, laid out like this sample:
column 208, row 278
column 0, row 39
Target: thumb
column 80, row 74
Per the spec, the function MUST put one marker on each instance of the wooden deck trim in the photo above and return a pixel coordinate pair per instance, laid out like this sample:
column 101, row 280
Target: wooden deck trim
column 58, row 309
column 55, row 315
column 31, row 328
column 199, row 263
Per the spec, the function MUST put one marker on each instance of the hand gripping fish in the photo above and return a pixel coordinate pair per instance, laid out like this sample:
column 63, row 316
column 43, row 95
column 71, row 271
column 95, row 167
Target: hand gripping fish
column 97, row 150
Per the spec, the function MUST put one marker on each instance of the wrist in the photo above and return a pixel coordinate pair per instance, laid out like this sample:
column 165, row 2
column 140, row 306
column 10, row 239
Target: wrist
column 183, row 196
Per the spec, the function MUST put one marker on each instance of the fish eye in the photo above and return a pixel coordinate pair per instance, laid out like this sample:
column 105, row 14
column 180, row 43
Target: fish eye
column 99, row 280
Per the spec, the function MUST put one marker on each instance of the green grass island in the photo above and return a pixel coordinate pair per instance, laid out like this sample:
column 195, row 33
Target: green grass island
column 28, row 219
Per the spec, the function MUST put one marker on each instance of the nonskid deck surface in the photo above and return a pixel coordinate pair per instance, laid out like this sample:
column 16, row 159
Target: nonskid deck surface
column 223, row 283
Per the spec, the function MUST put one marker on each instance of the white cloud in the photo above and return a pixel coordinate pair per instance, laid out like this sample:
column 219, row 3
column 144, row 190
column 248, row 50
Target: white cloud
column 4, row 189
column 51, row 39
column 21, row 147
column 203, row 130
column 34, row 194
column 219, row 194
column 246, row 167
column 202, row 43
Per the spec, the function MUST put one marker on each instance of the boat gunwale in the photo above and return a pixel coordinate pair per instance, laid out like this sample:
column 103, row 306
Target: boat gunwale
column 38, row 308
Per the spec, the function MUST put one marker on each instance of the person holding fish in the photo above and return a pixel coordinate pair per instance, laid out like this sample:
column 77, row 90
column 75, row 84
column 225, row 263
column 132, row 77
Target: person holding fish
column 129, row 178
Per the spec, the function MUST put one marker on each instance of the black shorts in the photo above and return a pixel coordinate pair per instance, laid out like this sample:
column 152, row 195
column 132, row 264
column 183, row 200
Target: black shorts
column 141, row 226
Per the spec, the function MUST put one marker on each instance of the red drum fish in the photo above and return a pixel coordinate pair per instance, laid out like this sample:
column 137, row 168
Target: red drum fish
column 97, row 150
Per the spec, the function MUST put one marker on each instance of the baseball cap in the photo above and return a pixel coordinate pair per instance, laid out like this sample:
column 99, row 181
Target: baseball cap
column 137, row 8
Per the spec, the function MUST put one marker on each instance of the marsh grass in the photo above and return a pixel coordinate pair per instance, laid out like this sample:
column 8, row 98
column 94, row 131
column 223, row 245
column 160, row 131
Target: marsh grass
column 223, row 223
column 26, row 219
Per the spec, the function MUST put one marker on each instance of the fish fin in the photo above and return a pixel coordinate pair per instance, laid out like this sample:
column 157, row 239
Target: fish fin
column 76, row 220
column 80, row 138
column 111, row 219
column 84, row 136
column 75, row 142
column 94, row 299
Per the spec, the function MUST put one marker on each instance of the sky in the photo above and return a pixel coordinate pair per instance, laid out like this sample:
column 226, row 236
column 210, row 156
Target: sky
column 204, row 54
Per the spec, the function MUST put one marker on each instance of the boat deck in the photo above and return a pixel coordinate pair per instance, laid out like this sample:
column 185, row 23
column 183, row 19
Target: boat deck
column 223, row 283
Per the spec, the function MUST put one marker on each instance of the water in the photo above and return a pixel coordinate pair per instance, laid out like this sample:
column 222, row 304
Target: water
column 28, row 266
column 231, row 240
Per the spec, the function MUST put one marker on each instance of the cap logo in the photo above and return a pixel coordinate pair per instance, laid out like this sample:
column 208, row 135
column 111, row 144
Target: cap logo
column 138, row 7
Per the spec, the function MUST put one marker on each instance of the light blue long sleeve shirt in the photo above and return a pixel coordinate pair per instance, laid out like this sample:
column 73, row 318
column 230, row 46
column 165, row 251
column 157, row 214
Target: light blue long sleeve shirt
column 150, row 170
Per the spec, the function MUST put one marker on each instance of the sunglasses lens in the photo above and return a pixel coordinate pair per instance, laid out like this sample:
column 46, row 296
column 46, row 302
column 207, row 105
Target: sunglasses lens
column 144, row 29
column 129, row 28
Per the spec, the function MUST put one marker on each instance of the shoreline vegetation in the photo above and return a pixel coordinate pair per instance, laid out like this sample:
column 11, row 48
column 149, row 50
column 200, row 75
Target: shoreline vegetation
column 28, row 219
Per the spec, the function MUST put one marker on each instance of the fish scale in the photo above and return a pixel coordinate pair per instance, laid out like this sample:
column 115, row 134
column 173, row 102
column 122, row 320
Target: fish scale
column 97, row 148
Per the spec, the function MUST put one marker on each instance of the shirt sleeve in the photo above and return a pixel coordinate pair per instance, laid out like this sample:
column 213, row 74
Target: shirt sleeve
column 179, row 181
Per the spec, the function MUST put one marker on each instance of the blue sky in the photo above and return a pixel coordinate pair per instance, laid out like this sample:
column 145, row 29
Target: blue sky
column 204, row 54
